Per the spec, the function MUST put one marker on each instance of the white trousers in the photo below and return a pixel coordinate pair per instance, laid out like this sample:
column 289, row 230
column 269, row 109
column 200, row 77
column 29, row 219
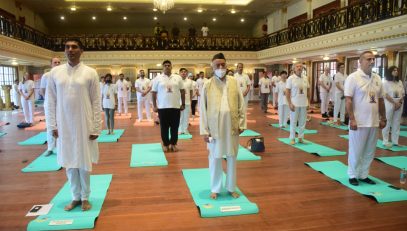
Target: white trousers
column 300, row 115
column 339, row 107
column 184, row 119
column 216, row 173
column 283, row 113
column 324, row 101
column 123, row 102
column 79, row 179
column 16, row 100
column 362, row 146
column 275, row 94
column 393, row 121
column 146, row 102
column 51, row 141
column 129, row 96
column 28, row 110
column 246, row 104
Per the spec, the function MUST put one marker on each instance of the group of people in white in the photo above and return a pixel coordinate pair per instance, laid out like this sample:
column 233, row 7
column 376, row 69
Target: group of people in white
column 222, row 101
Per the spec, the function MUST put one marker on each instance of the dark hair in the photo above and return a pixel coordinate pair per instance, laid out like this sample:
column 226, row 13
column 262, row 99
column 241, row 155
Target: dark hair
column 338, row 65
column 283, row 72
column 182, row 69
column 77, row 40
column 218, row 56
column 167, row 61
column 389, row 76
column 201, row 72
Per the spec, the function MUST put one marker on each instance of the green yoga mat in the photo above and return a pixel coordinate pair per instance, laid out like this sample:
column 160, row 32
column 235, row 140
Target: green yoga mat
column 2, row 134
column 249, row 132
column 147, row 155
column 330, row 124
column 380, row 145
column 198, row 182
column 105, row 138
column 403, row 133
column 313, row 148
column 99, row 185
column 306, row 131
column 39, row 139
column 395, row 161
column 381, row 191
column 43, row 163
column 403, row 127
column 244, row 154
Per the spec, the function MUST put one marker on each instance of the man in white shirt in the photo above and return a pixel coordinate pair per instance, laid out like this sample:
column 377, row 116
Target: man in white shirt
column 339, row 105
column 222, row 120
column 244, row 84
column 200, row 82
column 194, row 99
column 26, row 89
column 205, row 30
column 283, row 109
column 296, row 95
column 129, row 85
column 274, row 81
column 143, row 87
column 325, row 85
column 265, row 87
column 365, row 105
column 184, row 119
column 122, row 89
column 168, row 100
column 44, row 82
column 74, row 115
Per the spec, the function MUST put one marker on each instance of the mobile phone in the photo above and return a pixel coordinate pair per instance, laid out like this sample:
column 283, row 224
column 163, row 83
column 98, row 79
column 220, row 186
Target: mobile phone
column 35, row 209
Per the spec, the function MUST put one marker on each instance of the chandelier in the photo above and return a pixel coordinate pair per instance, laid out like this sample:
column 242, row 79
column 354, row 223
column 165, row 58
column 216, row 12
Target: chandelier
column 163, row 5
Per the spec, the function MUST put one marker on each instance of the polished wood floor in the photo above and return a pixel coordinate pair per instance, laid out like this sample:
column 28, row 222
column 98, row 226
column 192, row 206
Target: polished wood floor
column 290, row 195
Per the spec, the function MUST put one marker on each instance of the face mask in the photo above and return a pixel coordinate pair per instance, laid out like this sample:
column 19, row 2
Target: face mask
column 220, row 73
column 108, row 81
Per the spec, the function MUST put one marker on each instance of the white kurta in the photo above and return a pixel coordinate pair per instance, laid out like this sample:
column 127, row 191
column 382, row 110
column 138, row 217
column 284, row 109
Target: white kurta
column 74, row 110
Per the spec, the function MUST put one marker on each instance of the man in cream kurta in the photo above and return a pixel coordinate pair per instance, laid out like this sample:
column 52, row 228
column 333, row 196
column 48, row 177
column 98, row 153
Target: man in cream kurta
column 73, row 94
column 222, row 120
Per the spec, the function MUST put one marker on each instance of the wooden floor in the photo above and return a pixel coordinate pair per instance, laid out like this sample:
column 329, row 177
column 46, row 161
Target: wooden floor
column 290, row 195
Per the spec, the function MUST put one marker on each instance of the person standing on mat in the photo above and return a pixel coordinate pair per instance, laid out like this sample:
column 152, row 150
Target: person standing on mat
column 109, row 92
column 184, row 119
column 222, row 120
column 325, row 85
column 244, row 84
column 365, row 105
column 74, row 114
column 26, row 89
column 265, row 89
column 168, row 100
column 339, row 105
column 143, row 87
column 283, row 109
column 122, row 89
column 44, row 82
column 296, row 95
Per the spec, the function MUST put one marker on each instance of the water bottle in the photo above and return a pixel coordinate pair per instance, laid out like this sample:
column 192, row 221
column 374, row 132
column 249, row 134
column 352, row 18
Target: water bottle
column 403, row 176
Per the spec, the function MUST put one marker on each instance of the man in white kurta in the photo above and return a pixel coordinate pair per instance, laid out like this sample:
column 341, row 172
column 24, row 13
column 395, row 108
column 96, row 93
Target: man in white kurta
column 339, row 105
column 51, row 143
column 274, row 81
column 74, row 116
column 244, row 84
column 26, row 89
column 283, row 109
column 184, row 119
column 200, row 83
column 143, row 87
column 265, row 89
column 296, row 95
column 325, row 85
column 122, row 89
column 222, row 120
column 364, row 103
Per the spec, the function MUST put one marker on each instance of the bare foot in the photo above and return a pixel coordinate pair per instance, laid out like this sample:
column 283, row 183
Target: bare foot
column 234, row 194
column 86, row 205
column 72, row 205
column 292, row 142
column 174, row 148
column 214, row 196
column 300, row 140
column 166, row 149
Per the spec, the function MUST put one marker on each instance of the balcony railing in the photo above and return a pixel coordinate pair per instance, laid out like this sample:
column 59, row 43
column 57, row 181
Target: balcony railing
column 365, row 12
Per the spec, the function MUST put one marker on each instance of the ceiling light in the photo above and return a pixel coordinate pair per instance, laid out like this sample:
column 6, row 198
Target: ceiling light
column 158, row 64
column 14, row 63
column 73, row 8
column 62, row 18
column 109, row 8
column 374, row 52
column 233, row 11
column 325, row 58
column 242, row 19
column 199, row 10
column 155, row 9
column 155, row 18
column 185, row 18
column 93, row 17
column 163, row 5
column 214, row 19
column 295, row 60
column 124, row 18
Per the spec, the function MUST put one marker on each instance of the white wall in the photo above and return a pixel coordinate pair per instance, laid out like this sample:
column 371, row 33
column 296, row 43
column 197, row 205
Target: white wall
column 317, row 3
column 31, row 19
column 297, row 8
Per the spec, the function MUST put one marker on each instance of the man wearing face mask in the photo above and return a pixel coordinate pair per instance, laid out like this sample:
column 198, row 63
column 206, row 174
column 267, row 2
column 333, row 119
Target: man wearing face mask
column 222, row 120
column 143, row 87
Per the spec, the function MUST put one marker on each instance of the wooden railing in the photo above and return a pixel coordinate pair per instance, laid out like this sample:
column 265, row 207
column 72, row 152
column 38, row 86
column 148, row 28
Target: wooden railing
column 365, row 12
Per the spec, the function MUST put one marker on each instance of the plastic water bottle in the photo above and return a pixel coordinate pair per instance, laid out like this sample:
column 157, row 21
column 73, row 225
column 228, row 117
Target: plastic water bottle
column 403, row 176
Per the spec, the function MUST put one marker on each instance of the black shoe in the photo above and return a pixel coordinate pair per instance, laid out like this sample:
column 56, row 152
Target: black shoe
column 49, row 153
column 353, row 182
column 367, row 180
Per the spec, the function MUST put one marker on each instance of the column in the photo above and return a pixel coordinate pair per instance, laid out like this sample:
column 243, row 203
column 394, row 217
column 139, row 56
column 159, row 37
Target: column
column 6, row 90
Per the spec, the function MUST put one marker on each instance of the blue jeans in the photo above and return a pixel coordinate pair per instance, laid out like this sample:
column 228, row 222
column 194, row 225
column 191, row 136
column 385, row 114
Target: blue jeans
column 109, row 117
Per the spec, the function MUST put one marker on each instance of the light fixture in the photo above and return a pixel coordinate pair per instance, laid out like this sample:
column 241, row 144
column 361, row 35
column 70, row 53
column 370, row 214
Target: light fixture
column 163, row 5
column 155, row 9
column 109, row 8
column 158, row 64
column 62, row 17
column 325, row 58
column 14, row 63
column 124, row 18
column 233, row 11
column 185, row 18
column 295, row 60
column 214, row 19
column 235, row 64
column 199, row 10
column 374, row 52
column 155, row 18
column 93, row 17
column 242, row 19
column 73, row 8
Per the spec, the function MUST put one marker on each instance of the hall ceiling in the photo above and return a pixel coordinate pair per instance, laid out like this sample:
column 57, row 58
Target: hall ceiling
column 140, row 13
